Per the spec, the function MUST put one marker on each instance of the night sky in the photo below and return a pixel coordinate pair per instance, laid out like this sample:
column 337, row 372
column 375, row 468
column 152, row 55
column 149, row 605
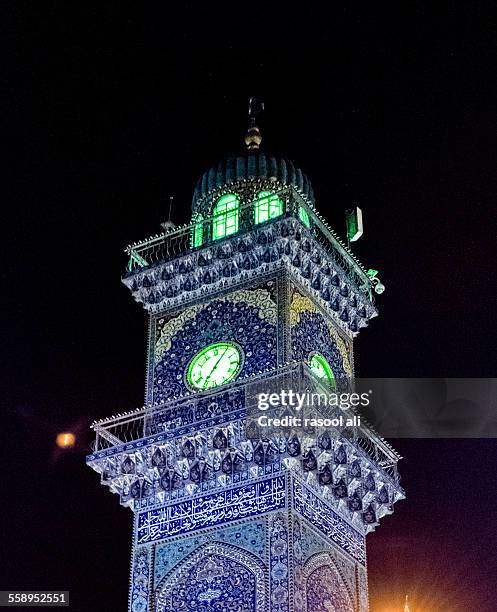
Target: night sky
column 109, row 111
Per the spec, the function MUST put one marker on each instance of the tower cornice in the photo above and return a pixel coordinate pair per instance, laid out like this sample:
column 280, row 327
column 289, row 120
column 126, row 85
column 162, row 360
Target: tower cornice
column 134, row 451
column 166, row 272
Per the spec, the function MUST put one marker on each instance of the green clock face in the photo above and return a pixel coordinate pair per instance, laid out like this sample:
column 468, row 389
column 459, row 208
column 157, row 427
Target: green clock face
column 215, row 365
column 321, row 369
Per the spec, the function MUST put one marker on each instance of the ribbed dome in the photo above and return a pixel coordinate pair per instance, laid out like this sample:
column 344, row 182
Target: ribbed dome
column 251, row 165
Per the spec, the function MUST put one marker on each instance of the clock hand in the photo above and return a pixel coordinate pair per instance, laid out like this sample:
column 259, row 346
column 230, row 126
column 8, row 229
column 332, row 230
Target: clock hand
column 216, row 364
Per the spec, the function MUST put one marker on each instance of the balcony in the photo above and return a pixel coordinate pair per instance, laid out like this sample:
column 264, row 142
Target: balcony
column 203, row 414
column 196, row 236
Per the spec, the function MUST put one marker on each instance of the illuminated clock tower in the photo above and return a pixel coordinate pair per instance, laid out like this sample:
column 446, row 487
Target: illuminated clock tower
column 256, row 293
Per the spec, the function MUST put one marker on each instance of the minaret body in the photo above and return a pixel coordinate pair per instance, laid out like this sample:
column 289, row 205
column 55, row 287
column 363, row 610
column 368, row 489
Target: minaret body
column 255, row 291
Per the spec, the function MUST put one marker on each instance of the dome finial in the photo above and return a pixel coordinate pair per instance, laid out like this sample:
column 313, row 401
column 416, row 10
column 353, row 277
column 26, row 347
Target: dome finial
column 253, row 136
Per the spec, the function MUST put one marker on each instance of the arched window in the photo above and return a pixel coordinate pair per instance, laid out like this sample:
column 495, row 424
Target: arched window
column 225, row 217
column 198, row 231
column 304, row 216
column 268, row 206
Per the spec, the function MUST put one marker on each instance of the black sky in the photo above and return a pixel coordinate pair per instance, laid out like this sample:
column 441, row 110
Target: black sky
column 109, row 111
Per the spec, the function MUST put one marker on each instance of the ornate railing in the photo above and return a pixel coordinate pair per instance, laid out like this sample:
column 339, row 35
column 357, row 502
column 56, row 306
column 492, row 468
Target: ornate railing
column 169, row 245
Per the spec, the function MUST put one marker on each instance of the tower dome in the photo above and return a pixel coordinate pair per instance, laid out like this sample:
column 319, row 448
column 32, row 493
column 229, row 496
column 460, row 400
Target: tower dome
column 248, row 173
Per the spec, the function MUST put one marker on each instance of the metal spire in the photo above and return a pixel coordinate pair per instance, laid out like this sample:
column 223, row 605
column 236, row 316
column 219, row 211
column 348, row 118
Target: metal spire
column 168, row 225
column 253, row 136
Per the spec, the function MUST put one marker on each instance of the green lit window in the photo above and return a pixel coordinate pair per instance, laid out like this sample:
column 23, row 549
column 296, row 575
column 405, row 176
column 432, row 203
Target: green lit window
column 215, row 365
column 268, row 206
column 225, row 217
column 304, row 216
column 198, row 231
column 321, row 369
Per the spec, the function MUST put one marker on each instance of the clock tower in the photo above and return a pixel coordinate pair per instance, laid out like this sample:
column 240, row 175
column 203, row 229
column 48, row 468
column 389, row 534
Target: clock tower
column 255, row 294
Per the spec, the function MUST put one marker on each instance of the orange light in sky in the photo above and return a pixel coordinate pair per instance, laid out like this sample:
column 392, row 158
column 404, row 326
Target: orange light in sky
column 65, row 440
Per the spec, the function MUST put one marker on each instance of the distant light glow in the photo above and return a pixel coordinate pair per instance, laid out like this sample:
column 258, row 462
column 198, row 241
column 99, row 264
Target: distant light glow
column 65, row 440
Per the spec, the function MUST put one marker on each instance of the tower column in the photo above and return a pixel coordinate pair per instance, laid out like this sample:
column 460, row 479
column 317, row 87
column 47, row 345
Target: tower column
column 255, row 298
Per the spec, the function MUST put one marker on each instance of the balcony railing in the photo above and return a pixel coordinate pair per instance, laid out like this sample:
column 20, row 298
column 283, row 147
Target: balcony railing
column 169, row 420
column 195, row 236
